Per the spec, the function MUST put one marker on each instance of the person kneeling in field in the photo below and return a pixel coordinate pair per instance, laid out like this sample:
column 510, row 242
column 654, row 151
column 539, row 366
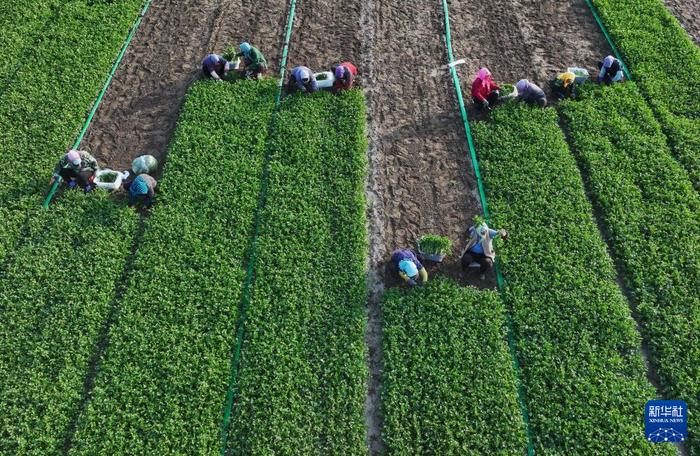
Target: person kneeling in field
column 302, row 79
column 610, row 70
column 485, row 92
column 216, row 67
column 531, row 93
column 254, row 63
column 409, row 268
column 345, row 74
column 142, row 188
column 77, row 168
column 564, row 85
column 479, row 251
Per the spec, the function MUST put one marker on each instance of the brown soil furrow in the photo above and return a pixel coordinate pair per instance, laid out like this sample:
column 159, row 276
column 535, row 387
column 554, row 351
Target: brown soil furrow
column 528, row 39
column 688, row 14
column 140, row 110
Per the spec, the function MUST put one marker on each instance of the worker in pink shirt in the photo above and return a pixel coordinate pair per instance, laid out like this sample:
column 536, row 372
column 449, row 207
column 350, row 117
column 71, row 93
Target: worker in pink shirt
column 345, row 74
column 485, row 92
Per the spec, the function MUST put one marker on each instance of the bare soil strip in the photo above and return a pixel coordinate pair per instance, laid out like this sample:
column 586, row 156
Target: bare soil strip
column 527, row 39
column 688, row 14
column 139, row 113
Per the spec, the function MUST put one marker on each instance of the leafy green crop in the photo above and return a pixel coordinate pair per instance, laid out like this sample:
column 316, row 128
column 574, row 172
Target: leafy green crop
column 449, row 385
column 39, row 122
column 666, row 64
column 163, row 380
column 55, row 296
column 21, row 22
column 583, row 375
column 436, row 245
column 302, row 379
column 652, row 218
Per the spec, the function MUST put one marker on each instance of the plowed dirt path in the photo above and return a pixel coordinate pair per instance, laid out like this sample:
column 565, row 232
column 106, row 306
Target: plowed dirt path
column 140, row 110
column 688, row 14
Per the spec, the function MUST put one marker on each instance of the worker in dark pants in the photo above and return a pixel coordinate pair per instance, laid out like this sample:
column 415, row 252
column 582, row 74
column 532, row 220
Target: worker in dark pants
column 531, row 93
column 216, row 67
column 564, row 86
column 345, row 74
column 485, row 92
column 142, row 189
column 254, row 63
column 610, row 70
column 302, row 79
column 479, row 252
column 407, row 266
column 76, row 168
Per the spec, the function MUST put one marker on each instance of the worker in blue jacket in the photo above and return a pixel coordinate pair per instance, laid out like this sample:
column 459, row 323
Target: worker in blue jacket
column 409, row 268
column 303, row 80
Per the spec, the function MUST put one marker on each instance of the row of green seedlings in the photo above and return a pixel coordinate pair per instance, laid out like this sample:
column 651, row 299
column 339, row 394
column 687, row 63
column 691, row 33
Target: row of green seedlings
column 666, row 64
column 56, row 296
column 651, row 214
column 448, row 384
column 20, row 23
column 37, row 120
column 165, row 373
column 302, row 381
column 583, row 375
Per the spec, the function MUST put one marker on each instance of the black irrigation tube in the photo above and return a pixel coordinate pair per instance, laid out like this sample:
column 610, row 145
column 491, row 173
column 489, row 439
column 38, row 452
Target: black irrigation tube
column 231, row 393
column 499, row 277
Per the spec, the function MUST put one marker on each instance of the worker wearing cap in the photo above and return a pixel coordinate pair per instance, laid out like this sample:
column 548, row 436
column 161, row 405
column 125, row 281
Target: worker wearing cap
column 302, row 79
column 564, row 85
column 408, row 267
column 531, row 93
column 479, row 252
column 142, row 188
column 345, row 74
column 76, row 168
column 216, row 67
column 610, row 70
column 485, row 92
column 254, row 63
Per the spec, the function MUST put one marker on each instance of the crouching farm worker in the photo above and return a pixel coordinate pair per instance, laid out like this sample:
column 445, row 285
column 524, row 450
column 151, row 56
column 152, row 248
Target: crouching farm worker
column 564, row 85
column 531, row 93
column 216, row 67
column 408, row 267
column 303, row 80
column 142, row 188
column 485, row 92
column 479, row 252
column 254, row 63
column 610, row 70
column 77, row 168
column 344, row 76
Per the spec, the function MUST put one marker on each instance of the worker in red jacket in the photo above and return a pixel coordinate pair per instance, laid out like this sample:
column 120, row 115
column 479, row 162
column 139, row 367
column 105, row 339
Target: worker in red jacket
column 345, row 74
column 485, row 92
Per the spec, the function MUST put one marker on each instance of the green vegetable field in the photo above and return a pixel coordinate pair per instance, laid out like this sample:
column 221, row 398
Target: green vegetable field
column 666, row 63
column 37, row 121
column 577, row 342
column 652, row 217
column 448, row 375
column 168, row 361
column 254, row 309
column 302, row 375
column 56, row 293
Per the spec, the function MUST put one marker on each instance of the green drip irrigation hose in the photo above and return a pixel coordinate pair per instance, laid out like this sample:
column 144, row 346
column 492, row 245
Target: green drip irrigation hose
column 250, row 271
column 484, row 204
column 98, row 100
column 596, row 16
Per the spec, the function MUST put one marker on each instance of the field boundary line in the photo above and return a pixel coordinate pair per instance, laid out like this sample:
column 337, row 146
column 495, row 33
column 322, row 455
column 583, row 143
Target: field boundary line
column 98, row 101
column 231, row 393
column 484, row 204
